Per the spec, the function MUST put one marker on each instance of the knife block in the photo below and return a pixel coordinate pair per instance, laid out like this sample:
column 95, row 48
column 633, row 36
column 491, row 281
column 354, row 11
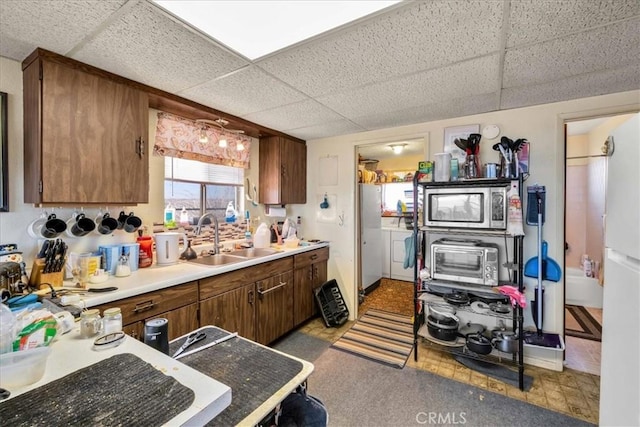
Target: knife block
column 38, row 278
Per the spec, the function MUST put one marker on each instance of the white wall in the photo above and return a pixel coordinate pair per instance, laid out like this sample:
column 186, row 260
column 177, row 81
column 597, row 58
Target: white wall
column 542, row 125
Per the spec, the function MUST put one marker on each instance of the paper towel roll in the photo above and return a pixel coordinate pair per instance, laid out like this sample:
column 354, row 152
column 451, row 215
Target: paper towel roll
column 275, row 211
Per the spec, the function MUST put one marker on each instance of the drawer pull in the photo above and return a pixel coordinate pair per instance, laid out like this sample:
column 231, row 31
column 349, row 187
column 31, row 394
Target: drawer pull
column 261, row 292
column 314, row 256
column 147, row 305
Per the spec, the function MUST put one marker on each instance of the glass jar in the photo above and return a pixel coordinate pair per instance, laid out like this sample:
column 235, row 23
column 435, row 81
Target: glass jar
column 112, row 320
column 90, row 323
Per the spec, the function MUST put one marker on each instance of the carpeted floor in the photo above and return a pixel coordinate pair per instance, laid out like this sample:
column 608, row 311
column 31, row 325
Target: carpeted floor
column 360, row 392
column 570, row 392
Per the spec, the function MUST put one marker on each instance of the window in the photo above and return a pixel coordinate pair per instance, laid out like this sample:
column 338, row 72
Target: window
column 202, row 187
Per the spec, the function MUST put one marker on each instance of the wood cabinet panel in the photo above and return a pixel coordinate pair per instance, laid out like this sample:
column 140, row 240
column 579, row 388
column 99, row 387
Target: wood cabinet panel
column 222, row 283
column 306, row 280
column 233, row 310
column 152, row 304
column 274, row 310
column 88, row 137
column 182, row 320
column 282, row 171
column 307, row 258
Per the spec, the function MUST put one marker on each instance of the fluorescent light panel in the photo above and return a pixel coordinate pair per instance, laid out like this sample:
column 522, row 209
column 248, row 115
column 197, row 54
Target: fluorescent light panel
column 257, row 28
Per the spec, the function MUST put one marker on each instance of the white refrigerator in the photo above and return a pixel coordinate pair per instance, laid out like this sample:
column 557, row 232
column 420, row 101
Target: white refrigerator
column 620, row 359
column 370, row 235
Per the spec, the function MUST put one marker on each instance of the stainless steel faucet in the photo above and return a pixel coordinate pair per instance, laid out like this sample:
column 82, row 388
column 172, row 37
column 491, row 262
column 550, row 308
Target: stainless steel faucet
column 216, row 235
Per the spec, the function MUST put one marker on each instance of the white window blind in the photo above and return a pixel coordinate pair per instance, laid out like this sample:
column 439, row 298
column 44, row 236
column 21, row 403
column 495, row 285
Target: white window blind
column 193, row 170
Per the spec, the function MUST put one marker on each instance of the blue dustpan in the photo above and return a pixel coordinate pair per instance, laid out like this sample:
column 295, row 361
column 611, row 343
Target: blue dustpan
column 550, row 268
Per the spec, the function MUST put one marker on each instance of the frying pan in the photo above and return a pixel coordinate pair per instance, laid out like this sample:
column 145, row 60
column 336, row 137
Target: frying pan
column 550, row 268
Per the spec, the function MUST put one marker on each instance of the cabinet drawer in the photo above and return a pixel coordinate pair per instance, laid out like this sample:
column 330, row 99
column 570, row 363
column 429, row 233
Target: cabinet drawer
column 148, row 305
column 306, row 258
column 216, row 285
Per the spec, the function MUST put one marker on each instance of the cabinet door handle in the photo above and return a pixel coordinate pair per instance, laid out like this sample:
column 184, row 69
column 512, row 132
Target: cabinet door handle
column 315, row 272
column 140, row 147
column 147, row 305
column 262, row 293
column 310, row 275
column 250, row 297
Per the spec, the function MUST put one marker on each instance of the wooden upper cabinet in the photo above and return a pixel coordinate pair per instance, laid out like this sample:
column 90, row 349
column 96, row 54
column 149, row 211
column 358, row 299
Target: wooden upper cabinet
column 86, row 137
column 283, row 171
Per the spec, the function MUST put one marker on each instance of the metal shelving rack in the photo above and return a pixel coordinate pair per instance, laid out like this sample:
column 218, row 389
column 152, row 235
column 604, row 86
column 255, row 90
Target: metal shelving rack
column 514, row 360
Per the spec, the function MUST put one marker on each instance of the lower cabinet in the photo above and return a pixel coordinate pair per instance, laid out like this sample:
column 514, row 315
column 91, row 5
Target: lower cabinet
column 233, row 310
column 178, row 304
column 310, row 272
column 256, row 302
column 274, row 307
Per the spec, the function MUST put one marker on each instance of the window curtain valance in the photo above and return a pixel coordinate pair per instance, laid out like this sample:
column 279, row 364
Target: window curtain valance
column 180, row 137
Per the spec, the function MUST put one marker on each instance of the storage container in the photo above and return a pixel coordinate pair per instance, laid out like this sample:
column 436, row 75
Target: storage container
column 20, row 368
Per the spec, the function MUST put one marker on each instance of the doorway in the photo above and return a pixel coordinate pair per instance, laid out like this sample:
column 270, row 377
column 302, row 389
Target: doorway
column 586, row 160
column 384, row 174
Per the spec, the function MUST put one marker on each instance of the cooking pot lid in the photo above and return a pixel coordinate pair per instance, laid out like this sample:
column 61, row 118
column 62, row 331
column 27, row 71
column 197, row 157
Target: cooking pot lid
column 471, row 328
column 478, row 338
column 457, row 298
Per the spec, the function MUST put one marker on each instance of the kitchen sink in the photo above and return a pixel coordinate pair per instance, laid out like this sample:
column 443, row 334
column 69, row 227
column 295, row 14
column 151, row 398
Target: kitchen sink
column 253, row 252
column 218, row 259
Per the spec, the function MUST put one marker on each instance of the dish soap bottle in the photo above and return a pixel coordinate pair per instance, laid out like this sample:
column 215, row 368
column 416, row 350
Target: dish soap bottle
column 247, row 233
column 169, row 216
column 184, row 217
column 230, row 213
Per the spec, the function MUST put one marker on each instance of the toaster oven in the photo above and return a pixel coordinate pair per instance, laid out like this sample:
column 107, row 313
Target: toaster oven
column 465, row 261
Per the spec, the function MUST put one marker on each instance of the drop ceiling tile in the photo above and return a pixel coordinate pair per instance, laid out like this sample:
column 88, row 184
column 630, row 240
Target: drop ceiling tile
column 603, row 48
column 325, row 130
column 148, row 46
column 459, row 107
column 534, row 20
column 476, row 76
column 294, row 116
column 247, row 91
column 592, row 84
column 419, row 36
column 53, row 25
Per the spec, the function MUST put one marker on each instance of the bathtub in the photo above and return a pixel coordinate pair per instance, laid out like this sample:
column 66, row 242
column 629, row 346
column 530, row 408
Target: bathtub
column 581, row 290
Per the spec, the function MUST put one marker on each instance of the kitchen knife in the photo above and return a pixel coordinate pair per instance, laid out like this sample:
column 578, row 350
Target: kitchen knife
column 43, row 250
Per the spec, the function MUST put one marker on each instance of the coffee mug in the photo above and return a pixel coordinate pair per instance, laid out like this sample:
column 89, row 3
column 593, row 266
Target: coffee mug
column 106, row 224
column 132, row 223
column 122, row 218
column 82, row 225
column 53, row 227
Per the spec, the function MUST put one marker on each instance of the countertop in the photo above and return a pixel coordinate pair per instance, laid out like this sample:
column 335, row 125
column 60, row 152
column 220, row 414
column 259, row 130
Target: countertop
column 158, row 277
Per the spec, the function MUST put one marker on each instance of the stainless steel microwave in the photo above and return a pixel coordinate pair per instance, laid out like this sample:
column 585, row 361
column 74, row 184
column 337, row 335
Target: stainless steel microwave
column 461, row 206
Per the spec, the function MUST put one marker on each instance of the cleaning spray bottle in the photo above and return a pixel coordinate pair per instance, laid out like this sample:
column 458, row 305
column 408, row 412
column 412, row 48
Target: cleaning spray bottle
column 230, row 213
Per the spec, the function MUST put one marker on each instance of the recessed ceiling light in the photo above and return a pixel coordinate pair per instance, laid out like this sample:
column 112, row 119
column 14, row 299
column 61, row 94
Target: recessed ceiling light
column 256, row 28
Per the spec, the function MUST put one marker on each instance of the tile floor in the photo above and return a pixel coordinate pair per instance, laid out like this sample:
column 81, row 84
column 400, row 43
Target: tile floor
column 584, row 355
column 570, row 392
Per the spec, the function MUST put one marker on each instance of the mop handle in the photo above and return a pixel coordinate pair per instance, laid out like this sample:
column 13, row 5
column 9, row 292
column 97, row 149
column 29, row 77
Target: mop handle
column 539, row 290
